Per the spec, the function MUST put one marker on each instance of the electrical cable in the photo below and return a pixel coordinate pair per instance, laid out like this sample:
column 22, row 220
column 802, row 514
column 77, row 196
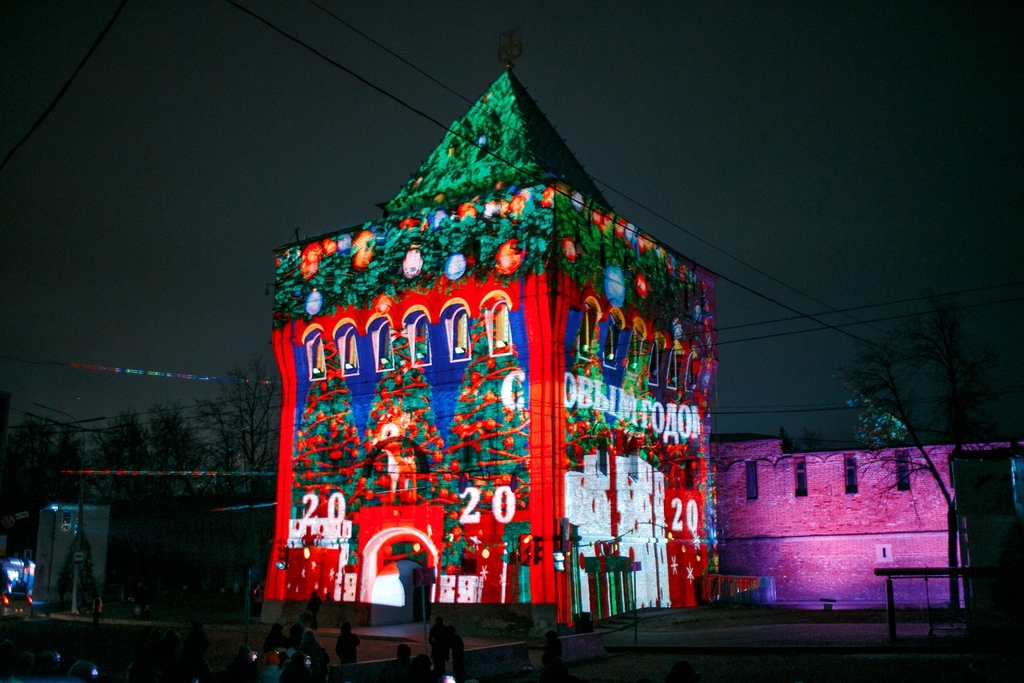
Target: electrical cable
column 426, row 116
column 67, row 84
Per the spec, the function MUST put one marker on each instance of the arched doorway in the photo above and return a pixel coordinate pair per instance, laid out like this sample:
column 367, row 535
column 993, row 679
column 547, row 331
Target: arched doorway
column 387, row 585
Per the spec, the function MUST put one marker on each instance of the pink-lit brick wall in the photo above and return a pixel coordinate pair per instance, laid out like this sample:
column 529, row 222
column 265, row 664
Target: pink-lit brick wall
column 828, row 543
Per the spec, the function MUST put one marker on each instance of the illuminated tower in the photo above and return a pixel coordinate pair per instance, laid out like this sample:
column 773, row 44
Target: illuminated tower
column 501, row 383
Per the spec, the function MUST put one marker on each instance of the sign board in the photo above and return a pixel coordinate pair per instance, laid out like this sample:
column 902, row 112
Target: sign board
column 636, row 566
column 424, row 576
column 21, row 515
column 79, row 558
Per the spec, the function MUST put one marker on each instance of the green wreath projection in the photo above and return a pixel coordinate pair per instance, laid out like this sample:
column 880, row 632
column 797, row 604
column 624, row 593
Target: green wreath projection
column 489, row 437
column 504, row 235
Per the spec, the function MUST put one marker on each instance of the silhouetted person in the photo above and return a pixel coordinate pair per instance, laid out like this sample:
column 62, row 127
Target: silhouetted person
column 319, row 660
column 296, row 670
column 313, row 607
column 295, row 636
column 440, row 646
column 275, row 639
column 97, row 611
column 552, row 645
column 458, row 649
column 421, row 671
column 193, row 653
column 243, row 667
column 682, row 672
column 347, row 643
column 271, row 672
column 400, row 669
column 552, row 669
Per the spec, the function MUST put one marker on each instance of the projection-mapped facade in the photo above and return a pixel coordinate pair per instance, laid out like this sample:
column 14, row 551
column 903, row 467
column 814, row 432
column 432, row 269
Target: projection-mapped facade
column 501, row 381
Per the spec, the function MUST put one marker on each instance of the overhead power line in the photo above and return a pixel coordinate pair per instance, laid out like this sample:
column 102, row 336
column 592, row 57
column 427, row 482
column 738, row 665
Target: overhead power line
column 865, row 322
column 438, row 123
column 880, row 305
column 60, row 93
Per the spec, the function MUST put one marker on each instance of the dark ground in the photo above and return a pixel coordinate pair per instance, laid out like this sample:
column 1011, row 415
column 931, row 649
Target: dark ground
column 223, row 615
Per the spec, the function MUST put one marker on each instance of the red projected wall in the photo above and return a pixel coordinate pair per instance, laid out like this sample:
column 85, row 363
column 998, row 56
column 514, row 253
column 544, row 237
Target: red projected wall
column 508, row 388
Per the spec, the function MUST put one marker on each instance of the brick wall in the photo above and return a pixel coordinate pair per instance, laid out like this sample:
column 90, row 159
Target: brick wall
column 828, row 543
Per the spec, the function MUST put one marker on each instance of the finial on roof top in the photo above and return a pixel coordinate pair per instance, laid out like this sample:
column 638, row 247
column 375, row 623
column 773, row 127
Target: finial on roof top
column 510, row 48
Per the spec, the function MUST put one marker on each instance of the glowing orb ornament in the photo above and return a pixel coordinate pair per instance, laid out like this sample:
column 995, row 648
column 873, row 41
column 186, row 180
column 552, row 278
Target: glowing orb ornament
column 509, row 257
column 466, row 210
column 455, row 266
column 614, row 286
column 311, row 260
column 569, row 249
column 629, row 233
column 362, row 249
column 412, row 264
column 314, row 302
column 641, row 286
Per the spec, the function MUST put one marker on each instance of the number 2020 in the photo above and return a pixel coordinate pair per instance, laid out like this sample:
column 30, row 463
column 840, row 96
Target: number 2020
column 503, row 505
column 691, row 515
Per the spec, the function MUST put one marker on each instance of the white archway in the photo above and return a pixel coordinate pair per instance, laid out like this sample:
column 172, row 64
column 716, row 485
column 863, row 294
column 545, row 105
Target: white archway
column 372, row 549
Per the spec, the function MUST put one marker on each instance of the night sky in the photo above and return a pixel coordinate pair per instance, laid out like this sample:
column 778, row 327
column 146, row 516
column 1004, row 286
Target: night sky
column 860, row 155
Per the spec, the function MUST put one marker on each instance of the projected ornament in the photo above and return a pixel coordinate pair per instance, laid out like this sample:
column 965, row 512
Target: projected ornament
column 614, row 286
column 362, row 249
column 311, row 260
column 455, row 266
column 629, row 233
column 569, row 249
column 509, row 257
column 466, row 210
column 314, row 302
column 641, row 285
column 412, row 265
column 577, row 201
column 677, row 329
column 344, row 244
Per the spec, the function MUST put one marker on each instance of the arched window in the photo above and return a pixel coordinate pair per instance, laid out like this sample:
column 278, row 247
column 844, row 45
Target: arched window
column 347, row 352
column 672, row 372
column 654, row 365
column 456, row 322
column 380, row 334
column 611, row 339
column 586, row 338
column 315, row 357
column 637, row 351
column 418, row 331
column 500, row 329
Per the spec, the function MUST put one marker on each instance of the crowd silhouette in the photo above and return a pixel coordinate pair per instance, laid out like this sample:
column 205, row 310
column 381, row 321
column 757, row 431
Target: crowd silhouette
column 295, row 657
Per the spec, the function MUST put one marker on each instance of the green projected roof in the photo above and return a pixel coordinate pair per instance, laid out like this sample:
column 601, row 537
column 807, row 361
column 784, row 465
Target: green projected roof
column 504, row 138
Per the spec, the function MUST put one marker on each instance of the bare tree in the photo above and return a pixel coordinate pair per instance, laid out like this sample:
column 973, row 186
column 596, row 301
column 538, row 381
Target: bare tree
column 242, row 424
column 926, row 383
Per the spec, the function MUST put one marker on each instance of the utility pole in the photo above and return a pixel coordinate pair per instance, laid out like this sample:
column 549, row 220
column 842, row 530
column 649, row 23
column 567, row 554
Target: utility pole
column 80, row 536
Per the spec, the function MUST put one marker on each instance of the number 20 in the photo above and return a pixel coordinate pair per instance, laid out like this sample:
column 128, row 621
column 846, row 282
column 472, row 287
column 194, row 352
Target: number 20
column 503, row 505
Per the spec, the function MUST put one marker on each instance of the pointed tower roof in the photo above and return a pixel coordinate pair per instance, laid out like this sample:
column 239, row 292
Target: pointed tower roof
column 503, row 138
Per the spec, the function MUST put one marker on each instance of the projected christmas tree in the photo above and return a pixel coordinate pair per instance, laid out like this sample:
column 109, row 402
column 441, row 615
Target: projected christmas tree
column 328, row 439
column 401, row 439
column 488, row 447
